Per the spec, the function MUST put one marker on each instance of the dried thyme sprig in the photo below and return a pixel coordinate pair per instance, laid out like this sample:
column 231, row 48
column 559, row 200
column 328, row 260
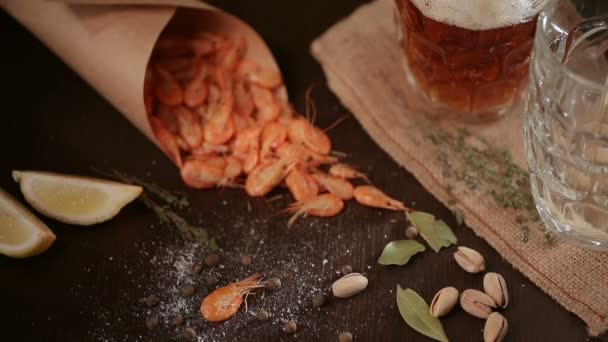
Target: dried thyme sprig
column 178, row 201
column 189, row 231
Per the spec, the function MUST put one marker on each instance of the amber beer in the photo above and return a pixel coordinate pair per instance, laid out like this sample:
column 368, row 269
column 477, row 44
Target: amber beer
column 469, row 58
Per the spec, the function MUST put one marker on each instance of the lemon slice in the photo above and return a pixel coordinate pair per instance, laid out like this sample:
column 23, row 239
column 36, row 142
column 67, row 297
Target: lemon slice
column 21, row 233
column 73, row 199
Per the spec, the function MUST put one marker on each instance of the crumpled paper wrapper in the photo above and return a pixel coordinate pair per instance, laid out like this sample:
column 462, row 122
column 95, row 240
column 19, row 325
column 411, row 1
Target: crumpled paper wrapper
column 362, row 61
column 109, row 42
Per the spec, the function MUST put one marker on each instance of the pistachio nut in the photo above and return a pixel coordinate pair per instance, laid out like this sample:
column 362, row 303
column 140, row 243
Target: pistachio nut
column 495, row 286
column 411, row 232
column 444, row 301
column 495, row 328
column 349, row 285
column 477, row 303
column 470, row 260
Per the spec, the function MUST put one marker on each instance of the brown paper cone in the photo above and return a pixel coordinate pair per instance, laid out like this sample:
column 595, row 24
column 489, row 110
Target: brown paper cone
column 109, row 42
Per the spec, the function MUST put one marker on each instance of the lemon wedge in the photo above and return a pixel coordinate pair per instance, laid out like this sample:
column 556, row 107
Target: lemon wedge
column 73, row 199
column 21, row 233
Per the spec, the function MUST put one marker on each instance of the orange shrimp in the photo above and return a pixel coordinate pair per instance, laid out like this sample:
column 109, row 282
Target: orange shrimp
column 373, row 197
column 266, row 176
column 200, row 174
column 189, row 126
column 202, row 46
column 253, row 72
column 243, row 101
column 325, row 205
column 252, row 158
column 166, row 140
column 273, row 135
column 165, row 114
column 347, row 172
column 243, row 141
column 265, row 103
column 168, row 90
column 301, row 130
column 306, row 156
column 301, row 185
column 206, row 149
column 241, row 122
column 229, row 54
column 220, row 127
column 195, row 92
column 337, row 186
column 224, row 302
column 232, row 170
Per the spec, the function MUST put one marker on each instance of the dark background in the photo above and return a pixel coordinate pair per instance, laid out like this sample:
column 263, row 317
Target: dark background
column 90, row 284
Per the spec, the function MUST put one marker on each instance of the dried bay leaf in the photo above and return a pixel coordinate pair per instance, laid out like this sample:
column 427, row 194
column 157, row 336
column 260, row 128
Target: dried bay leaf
column 415, row 312
column 436, row 232
column 399, row 252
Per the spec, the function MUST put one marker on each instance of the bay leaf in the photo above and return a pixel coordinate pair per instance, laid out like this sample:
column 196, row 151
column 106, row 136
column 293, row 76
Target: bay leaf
column 399, row 252
column 436, row 232
column 415, row 312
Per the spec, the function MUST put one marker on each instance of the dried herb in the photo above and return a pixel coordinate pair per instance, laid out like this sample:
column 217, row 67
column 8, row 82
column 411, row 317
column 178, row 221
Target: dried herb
column 436, row 232
column 415, row 312
column 399, row 252
column 189, row 231
column 473, row 162
column 174, row 200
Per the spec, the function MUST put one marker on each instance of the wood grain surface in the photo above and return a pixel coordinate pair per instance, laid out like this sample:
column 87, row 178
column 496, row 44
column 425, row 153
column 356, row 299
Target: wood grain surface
column 90, row 285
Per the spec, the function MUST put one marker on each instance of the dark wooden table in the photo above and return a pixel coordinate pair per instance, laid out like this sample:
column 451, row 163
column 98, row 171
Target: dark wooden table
column 91, row 283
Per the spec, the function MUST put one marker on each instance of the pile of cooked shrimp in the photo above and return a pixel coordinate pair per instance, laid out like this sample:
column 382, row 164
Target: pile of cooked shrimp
column 218, row 116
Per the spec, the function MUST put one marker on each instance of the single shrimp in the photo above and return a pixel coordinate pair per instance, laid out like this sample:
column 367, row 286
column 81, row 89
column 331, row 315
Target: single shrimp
column 195, row 92
column 373, row 197
column 301, row 185
column 273, row 135
column 325, row 205
column 167, row 90
column 212, row 159
column 301, row 130
column 224, row 302
column 242, row 122
column 166, row 140
column 189, row 126
column 165, row 114
column 306, row 156
column 206, row 149
column 220, row 127
column 243, row 141
column 266, row 176
column 200, row 174
column 347, row 172
column 232, row 171
column 337, row 186
column 229, row 54
column 243, row 101
column 267, row 108
column 254, row 73
column 252, row 158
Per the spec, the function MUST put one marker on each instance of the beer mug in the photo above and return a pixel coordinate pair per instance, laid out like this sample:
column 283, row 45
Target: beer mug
column 467, row 59
column 566, row 123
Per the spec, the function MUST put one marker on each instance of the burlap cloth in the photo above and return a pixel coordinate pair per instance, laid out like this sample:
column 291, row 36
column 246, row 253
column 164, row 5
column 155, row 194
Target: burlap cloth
column 361, row 58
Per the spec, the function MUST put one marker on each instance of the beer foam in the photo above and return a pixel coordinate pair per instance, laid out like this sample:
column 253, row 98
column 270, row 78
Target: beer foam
column 478, row 14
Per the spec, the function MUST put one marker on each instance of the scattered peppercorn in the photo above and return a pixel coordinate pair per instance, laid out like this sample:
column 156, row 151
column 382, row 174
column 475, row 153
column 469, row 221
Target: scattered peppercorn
column 345, row 337
column 151, row 322
column 290, row 327
column 151, row 301
column 318, row 300
column 179, row 320
column 346, row 269
column 189, row 333
column 211, row 280
column 262, row 315
column 273, row 284
column 188, row 291
column 246, row 260
column 197, row 268
column 212, row 260
column 411, row 232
